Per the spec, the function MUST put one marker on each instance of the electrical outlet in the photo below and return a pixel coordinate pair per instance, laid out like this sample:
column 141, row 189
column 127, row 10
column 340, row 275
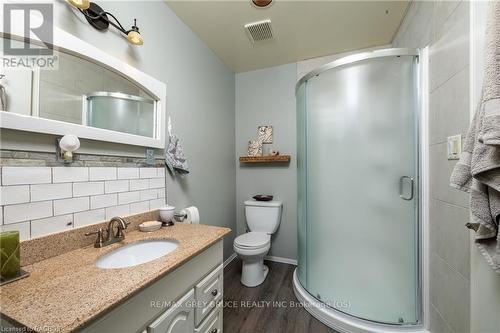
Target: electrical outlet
column 454, row 147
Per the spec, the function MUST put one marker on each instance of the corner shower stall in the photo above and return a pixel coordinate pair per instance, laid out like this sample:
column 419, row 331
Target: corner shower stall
column 358, row 192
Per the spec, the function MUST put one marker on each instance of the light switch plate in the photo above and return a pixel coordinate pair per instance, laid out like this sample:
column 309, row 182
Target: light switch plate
column 454, row 147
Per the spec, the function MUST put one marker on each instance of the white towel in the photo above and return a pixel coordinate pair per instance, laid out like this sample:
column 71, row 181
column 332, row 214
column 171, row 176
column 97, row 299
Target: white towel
column 478, row 170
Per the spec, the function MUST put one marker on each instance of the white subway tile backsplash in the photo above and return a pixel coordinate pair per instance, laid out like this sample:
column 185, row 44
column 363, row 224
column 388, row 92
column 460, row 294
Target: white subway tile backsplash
column 128, row 197
column 73, row 205
column 139, row 184
column 128, row 173
column 51, row 191
column 114, row 186
column 27, row 211
column 160, row 172
column 139, row 207
column 14, row 194
column 51, row 224
column 101, row 201
column 89, row 217
column 102, row 173
column 88, row 188
column 23, row 228
column 70, row 174
column 149, row 194
column 117, row 211
column 40, row 200
column 147, row 172
column 156, row 182
column 157, row 203
column 26, row 175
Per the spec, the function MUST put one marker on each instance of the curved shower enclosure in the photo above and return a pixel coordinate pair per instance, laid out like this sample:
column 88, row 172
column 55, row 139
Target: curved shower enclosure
column 358, row 184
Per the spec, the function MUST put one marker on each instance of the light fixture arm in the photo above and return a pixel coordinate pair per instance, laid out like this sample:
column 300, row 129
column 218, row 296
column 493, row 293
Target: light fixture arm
column 98, row 18
column 103, row 15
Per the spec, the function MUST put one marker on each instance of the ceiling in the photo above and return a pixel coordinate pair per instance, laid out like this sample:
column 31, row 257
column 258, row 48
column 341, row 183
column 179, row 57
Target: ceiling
column 303, row 29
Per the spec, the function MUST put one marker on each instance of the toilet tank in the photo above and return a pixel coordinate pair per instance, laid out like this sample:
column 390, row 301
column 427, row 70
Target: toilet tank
column 263, row 216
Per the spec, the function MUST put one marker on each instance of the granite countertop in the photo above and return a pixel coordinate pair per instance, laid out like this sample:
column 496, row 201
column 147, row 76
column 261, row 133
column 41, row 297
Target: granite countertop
column 65, row 292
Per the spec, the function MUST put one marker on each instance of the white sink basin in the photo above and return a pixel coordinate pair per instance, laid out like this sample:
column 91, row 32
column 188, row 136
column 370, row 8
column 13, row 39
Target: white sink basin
column 136, row 254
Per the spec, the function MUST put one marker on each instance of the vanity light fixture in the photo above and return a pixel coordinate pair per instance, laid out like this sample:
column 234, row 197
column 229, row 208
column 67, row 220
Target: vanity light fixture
column 81, row 4
column 65, row 147
column 100, row 19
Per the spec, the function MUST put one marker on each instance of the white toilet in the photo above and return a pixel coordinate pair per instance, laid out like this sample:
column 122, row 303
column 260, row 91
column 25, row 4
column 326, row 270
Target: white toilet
column 263, row 219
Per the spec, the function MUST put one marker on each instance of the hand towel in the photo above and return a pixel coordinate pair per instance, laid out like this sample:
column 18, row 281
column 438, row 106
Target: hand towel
column 490, row 130
column 174, row 154
column 478, row 170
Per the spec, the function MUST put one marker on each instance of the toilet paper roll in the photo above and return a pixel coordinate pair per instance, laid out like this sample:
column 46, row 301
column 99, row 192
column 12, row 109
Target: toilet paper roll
column 193, row 215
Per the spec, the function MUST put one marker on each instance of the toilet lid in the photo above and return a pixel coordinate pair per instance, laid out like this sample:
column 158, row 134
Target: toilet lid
column 252, row 240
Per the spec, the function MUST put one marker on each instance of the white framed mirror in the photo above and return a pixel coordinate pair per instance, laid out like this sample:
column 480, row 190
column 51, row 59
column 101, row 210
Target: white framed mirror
column 92, row 94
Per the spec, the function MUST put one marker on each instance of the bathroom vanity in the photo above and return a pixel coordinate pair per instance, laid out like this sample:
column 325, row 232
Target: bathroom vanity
column 187, row 300
column 179, row 292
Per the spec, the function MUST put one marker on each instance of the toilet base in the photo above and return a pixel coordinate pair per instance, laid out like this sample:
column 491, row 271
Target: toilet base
column 253, row 272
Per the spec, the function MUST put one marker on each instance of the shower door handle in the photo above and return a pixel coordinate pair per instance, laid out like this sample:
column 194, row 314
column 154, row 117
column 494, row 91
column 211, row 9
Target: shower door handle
column 402, row 181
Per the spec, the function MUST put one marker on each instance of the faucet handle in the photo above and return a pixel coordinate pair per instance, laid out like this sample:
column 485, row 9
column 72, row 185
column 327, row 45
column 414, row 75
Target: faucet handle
column 99, row 240
column 97, row 232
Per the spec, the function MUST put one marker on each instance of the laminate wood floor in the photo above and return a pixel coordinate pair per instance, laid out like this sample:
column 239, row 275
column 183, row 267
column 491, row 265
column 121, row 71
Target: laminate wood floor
column 251, row 310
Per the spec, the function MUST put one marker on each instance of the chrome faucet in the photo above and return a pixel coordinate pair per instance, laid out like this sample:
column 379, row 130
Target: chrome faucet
column 108, row 235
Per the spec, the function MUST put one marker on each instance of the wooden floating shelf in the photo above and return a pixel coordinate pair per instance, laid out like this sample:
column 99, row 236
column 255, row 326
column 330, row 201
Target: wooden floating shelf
column 265, row 159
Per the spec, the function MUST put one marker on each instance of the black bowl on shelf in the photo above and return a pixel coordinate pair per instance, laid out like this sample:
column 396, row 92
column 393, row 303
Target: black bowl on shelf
column 263, row 197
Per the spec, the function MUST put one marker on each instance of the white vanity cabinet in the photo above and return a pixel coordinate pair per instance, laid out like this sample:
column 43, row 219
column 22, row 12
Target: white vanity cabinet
column 208, row 293
column 186, row 300
column 178, row 319
column 200, row 307
column 213, row 322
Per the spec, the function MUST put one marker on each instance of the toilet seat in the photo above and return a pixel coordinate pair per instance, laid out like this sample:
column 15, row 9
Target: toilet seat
column 252, row 240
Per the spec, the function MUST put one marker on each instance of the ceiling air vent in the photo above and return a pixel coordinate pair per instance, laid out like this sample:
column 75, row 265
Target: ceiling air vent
column 259, row 31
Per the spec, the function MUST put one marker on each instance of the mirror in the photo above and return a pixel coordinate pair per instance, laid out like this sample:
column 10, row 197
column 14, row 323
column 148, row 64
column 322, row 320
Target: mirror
column 83, row 90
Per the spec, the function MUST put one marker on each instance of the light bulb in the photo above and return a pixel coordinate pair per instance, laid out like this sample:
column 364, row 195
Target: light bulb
column 82, row 4
column 134, row 37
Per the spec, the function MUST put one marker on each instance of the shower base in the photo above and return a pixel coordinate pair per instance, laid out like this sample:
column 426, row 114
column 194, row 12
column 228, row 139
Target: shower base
column 342, row 322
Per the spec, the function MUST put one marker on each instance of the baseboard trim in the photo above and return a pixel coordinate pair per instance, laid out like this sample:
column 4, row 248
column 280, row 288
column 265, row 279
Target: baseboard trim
column 270, row 258
column 229, row 259
column 281, row 260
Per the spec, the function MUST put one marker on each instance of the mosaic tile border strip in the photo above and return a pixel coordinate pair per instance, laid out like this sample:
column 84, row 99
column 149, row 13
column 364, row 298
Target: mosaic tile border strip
column 29, row 158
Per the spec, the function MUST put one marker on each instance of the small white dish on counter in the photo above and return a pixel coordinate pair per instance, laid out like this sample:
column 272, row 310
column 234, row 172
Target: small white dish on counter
column 167, row 213
column 149, row 226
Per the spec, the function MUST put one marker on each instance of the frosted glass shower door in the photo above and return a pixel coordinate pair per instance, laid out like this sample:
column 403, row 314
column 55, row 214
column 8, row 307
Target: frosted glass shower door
column 362, row 159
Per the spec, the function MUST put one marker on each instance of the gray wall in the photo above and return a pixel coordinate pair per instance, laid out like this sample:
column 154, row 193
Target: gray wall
column 200, row 100
column 267, row 97
column 444, row 25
